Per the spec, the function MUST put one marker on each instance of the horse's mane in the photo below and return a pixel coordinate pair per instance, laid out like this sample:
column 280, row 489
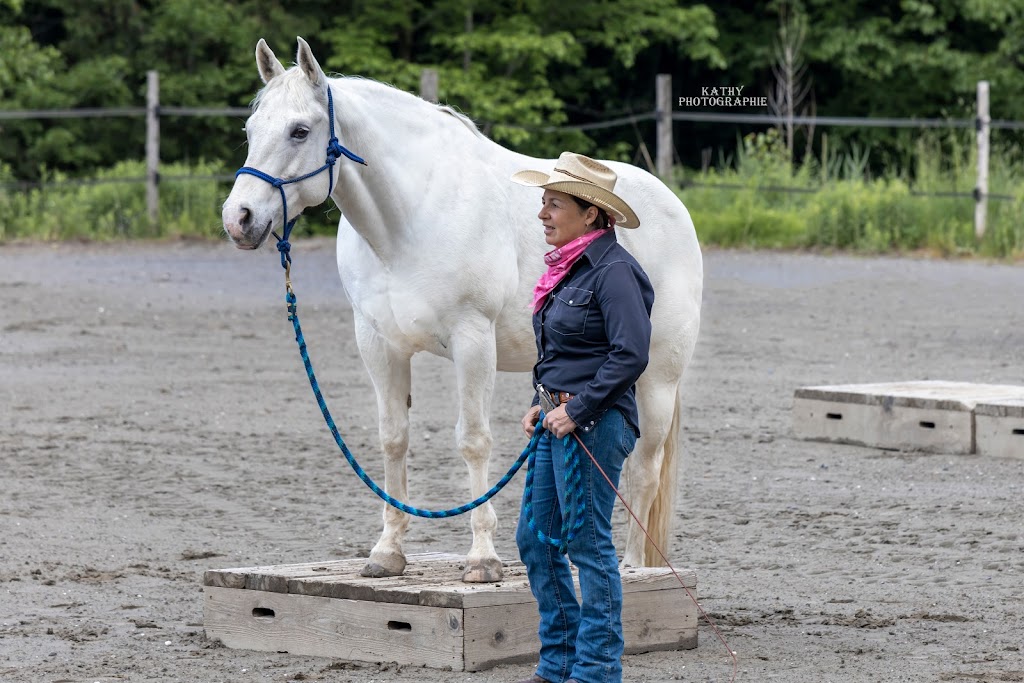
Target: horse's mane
column 466, row 121
column 379, row 89
column 296, row 85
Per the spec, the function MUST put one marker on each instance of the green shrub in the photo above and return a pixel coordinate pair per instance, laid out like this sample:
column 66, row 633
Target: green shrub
column 757, row 199
column 760, row 200
column 66, row 209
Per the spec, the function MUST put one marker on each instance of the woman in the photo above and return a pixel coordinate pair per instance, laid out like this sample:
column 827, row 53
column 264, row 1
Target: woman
column 592, row 321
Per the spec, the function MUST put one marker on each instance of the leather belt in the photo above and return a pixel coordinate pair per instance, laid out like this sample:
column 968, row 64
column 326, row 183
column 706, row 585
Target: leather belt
column 562, row 397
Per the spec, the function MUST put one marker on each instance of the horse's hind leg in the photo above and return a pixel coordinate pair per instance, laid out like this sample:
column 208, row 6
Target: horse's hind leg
column 475, row 356
column 391, row 374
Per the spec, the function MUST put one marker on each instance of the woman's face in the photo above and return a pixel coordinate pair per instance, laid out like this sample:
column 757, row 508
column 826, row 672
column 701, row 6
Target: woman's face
column 563, row 219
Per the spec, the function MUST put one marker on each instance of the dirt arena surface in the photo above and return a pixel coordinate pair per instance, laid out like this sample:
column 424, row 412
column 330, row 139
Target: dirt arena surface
column 155, row 422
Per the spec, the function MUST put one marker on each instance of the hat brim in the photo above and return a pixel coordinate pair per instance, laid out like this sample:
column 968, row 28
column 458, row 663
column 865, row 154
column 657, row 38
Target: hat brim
column 625, row 217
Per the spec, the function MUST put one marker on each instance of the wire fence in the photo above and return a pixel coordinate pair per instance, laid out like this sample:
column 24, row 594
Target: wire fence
column 841, row 121
column 696, row 116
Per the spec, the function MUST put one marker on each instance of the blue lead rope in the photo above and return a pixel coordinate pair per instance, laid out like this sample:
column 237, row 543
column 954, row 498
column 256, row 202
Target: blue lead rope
column 530, row 449
column 573, row 493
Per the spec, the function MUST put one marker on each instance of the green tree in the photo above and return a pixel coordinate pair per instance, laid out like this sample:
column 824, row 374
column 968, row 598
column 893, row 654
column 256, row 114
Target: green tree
column 95, row 53
column 29, row 75
column 913, row 58
column 517, row 66
column 52, row 73
column 513, row 65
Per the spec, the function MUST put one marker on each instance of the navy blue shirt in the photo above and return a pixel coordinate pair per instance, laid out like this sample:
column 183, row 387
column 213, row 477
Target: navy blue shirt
column 594, row 334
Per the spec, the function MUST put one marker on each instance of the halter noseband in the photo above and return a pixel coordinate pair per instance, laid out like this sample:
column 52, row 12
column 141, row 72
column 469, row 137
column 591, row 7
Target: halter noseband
column 334, row 150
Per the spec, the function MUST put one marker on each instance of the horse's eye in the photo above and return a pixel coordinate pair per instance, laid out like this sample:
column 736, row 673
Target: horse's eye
column 300, row 133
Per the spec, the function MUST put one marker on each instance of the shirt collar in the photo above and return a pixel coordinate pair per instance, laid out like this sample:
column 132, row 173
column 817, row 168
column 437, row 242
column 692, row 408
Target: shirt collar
column 596, row 250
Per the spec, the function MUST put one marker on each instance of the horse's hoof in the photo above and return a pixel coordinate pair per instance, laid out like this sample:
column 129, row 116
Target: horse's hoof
column 394, row 566
column 632, row 561
column 484, row 571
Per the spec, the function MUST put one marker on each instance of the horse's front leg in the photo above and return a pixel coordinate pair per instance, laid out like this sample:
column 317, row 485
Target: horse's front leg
column 475, row 356
column 391, row 373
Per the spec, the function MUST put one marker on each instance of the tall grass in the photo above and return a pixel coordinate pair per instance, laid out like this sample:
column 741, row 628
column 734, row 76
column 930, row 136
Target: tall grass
column 759, row 199
column 62, row 210
column 754, row 198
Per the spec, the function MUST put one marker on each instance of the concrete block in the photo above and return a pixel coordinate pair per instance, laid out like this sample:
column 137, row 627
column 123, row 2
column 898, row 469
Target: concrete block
column 927, row 416
column 999, row 428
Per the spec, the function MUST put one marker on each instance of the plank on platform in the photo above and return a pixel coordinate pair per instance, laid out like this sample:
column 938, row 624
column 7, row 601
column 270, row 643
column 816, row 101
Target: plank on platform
column 353, row 630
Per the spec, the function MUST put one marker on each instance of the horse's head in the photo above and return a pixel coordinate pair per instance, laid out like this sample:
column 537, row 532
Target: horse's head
column 288, row 134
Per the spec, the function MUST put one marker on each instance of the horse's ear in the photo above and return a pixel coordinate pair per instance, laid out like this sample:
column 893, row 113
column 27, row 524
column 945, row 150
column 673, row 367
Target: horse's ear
column 307, row 62
column 266, row 61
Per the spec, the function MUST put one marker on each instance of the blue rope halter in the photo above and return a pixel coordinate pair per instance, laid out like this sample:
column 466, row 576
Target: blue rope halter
column 334, row 150
column 574, row 499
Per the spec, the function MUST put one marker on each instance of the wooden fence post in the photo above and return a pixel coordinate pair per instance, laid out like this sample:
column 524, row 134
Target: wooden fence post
column 428, row 85
column 981, row 189
column 153, row 149
column 663, row 107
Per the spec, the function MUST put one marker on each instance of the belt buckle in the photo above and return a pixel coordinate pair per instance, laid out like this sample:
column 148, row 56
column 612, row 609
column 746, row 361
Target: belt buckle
column 547, row 403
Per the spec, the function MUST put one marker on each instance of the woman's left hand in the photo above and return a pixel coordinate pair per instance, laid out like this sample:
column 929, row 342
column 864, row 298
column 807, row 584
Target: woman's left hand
column 558, row 422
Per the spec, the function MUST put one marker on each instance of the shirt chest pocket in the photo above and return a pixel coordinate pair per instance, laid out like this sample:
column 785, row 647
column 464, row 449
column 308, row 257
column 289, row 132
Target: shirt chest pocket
column 569, row 313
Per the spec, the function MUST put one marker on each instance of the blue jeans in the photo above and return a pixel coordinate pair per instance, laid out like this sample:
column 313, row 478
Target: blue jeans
column 584, row 643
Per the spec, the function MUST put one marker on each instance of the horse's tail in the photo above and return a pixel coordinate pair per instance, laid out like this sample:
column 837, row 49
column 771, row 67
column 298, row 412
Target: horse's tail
column 659, row 523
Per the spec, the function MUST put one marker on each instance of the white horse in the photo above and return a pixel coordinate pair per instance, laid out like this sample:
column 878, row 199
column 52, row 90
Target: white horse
column 439, row 251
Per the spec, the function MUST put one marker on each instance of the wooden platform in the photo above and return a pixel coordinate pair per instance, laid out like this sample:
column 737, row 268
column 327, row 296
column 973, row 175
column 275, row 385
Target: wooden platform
column 427, row 617
column 929, row 416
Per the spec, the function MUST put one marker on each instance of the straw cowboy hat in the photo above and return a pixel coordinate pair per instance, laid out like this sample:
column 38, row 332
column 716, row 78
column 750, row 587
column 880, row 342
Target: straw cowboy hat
column 587, row 179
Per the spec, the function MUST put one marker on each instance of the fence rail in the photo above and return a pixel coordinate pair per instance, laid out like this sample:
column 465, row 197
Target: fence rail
column 82, row 113
column 663, row 114
column 696, row 117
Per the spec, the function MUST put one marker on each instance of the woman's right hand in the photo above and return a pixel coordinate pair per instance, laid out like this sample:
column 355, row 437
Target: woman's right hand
column 530, row 420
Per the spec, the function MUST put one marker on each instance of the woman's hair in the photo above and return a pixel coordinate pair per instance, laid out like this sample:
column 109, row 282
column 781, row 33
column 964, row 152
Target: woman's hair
column 602, row 216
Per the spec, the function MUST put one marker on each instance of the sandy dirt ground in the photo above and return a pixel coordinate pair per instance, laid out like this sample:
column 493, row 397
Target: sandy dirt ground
column 155, row 422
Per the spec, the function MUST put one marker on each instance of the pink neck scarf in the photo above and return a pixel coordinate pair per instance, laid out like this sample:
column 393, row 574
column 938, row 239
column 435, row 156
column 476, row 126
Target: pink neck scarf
column 559, row 262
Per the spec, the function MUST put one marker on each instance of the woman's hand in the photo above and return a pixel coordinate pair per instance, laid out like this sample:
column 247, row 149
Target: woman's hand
column 530, row 420
column 558, row 422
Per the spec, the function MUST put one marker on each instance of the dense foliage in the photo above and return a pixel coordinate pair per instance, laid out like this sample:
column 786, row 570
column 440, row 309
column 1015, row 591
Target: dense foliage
column 507, row 63
column 513, row 66
column 762, row 201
